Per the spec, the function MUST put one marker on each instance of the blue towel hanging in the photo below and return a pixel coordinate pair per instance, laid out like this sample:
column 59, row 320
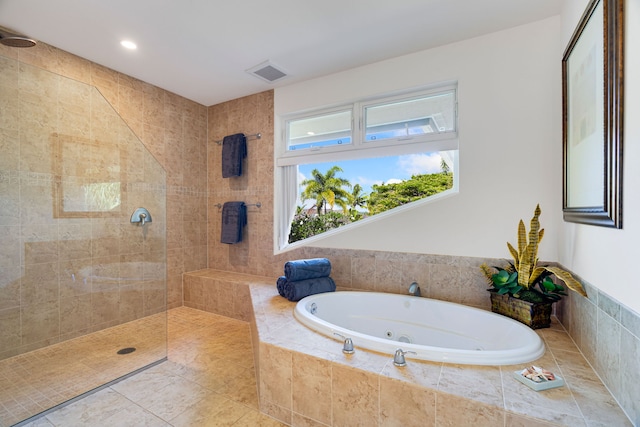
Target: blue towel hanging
column 234, row 218
column 234, row 150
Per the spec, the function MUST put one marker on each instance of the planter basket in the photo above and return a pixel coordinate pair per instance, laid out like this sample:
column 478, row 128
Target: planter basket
column 534, row 315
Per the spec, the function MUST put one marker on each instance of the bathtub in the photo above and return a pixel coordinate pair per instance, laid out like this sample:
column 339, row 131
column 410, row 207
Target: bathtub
column 435, row 330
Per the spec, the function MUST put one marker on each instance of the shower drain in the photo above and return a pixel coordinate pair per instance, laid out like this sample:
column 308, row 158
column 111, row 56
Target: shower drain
column 126, row 350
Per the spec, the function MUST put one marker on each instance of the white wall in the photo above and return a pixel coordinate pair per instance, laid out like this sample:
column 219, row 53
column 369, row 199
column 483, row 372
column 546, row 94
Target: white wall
column 510, row 141
column 607, row 258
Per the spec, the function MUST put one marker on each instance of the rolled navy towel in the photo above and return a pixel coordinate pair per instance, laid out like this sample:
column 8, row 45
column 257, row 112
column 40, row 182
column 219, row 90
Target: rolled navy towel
column 282, row 280
column 296, row 290
column 307, row 269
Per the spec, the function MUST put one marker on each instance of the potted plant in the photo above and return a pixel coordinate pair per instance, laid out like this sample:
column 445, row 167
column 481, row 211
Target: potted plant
column 523, row 289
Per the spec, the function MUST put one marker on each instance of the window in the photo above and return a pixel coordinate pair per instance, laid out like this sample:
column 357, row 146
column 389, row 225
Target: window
column 379, row 135
column 320, row 131
column 406, row 118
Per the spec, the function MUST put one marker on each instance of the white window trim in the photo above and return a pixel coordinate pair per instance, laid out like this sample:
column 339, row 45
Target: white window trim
column 443, row 144
column 358, row 149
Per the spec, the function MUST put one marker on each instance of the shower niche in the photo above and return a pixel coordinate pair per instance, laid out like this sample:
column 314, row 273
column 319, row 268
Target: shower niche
column 79, row 281
column 92, row 187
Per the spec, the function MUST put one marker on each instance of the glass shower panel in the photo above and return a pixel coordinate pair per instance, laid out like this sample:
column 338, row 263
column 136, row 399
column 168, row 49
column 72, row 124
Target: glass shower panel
column 82, row 289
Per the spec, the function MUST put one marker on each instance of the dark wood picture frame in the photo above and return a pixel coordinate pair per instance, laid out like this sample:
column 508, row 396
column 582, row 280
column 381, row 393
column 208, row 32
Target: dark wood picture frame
column 592, row 113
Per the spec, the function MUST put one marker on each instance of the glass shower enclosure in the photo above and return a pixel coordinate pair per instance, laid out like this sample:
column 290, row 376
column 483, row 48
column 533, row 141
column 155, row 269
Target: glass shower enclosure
column 82, row 287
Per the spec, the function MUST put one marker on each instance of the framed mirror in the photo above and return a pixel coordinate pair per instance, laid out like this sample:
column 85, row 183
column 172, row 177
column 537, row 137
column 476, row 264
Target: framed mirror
column 592, row 112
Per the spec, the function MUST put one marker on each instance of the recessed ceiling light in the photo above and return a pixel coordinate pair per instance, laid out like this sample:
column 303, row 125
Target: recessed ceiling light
column 128, row 44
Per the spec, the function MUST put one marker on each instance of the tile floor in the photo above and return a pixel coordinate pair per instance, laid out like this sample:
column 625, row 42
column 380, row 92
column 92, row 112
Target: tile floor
column 208, row 380
column 41, row 379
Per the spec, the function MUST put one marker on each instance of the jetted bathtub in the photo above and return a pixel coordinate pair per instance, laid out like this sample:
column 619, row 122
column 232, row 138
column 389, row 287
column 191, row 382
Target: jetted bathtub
column 435, row 330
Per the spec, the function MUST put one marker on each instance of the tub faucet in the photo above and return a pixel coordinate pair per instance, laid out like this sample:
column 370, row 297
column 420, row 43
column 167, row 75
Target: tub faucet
column 414, row 289
column 398, row 358
column 347, row 348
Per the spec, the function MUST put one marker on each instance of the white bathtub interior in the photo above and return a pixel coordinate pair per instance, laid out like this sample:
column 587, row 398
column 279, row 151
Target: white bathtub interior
column 434, row 330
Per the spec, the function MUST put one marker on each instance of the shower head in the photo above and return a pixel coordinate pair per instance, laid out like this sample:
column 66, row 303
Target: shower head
column 11, row 39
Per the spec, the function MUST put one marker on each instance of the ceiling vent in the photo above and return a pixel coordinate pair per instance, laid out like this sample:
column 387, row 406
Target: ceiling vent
column 267, row 72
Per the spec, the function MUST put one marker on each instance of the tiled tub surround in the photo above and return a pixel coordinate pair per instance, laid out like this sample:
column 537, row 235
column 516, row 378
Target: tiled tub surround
column 607, row 332
column 305, row 379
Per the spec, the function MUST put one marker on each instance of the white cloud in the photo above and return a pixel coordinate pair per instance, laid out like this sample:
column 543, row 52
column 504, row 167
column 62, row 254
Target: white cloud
column 419, row 164
column 393, row 181
column 364, row 181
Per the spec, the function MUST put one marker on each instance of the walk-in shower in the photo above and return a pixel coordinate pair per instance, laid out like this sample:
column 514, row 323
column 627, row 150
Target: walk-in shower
column 78, row 281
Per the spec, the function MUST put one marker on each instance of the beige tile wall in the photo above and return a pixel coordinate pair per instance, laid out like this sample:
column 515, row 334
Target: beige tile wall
column 220, row 292
column 71, row 271
column 172, row 128
column 44, row 259
column 254, row 255
column 608, row 334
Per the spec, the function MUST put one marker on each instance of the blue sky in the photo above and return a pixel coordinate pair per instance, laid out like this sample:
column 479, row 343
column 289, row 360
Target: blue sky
column 382, row 170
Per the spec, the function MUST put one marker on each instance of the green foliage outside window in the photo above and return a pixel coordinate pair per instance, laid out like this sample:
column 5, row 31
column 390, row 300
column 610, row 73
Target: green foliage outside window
column 327, row 190
column 389, row 196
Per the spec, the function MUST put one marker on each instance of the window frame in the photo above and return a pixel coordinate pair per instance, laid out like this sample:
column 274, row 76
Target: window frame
column 359, row 147
column 312, row 115
column 285, row 161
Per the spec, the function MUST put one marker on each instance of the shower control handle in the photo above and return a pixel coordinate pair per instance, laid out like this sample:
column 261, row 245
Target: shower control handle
column 141, row 216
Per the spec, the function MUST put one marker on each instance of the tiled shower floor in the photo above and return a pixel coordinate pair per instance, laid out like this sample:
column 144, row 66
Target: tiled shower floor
column 208, row 380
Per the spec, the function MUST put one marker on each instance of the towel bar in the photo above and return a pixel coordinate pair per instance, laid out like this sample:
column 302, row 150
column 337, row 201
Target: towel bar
column 257, row 205
column 249, row 137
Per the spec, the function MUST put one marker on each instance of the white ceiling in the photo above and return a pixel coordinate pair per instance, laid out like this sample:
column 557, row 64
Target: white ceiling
column 201, row 49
